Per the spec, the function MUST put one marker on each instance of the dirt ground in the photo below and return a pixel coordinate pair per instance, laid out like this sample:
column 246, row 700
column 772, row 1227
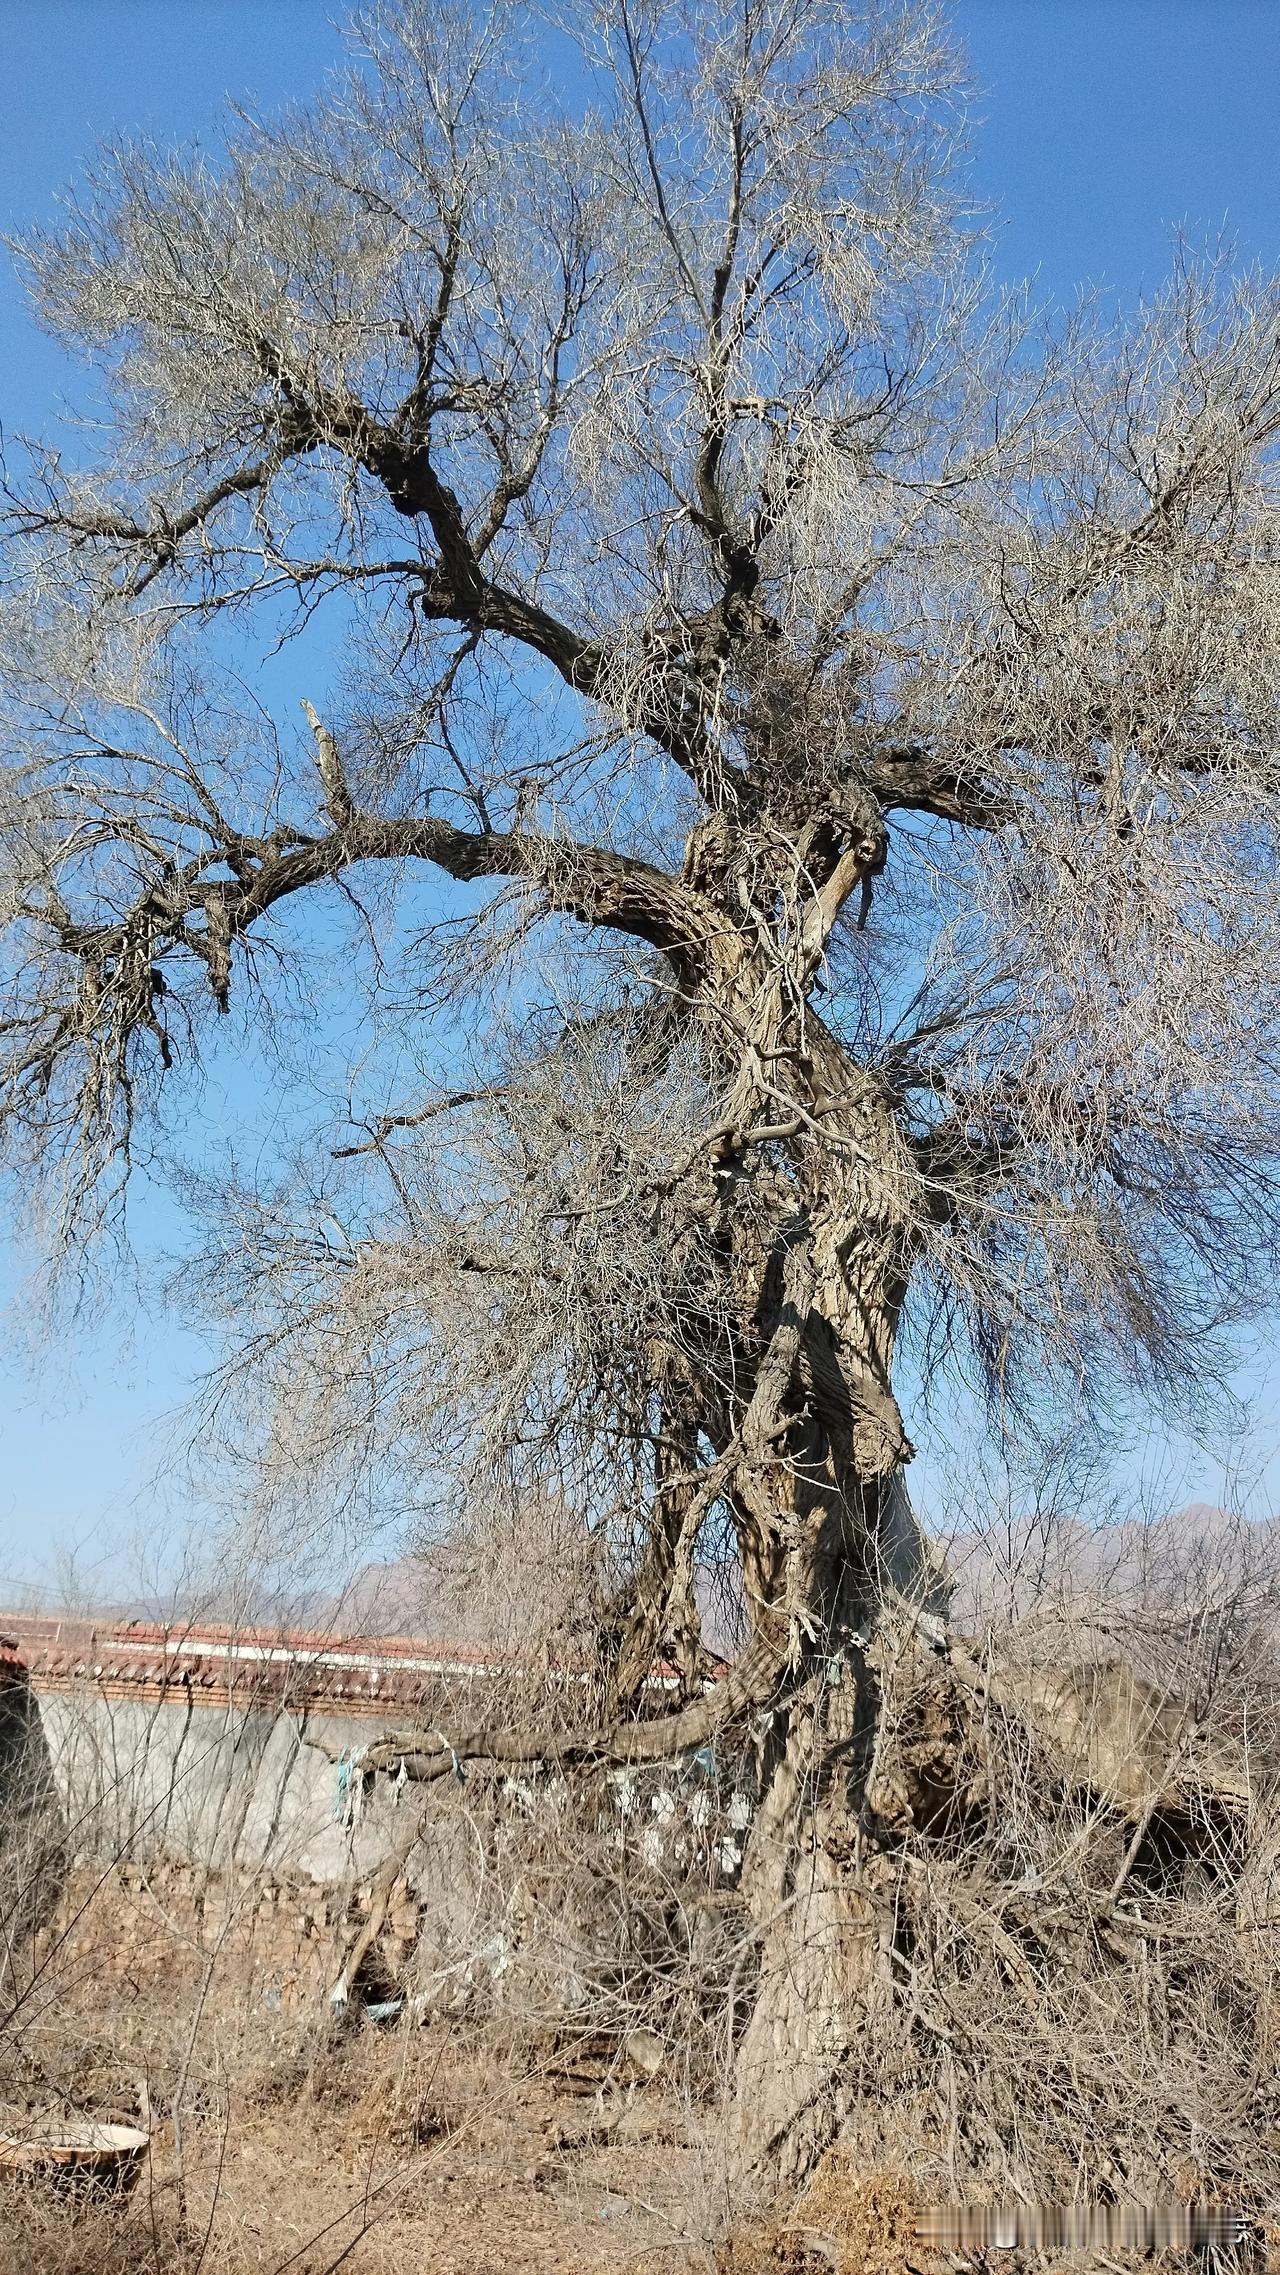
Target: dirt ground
column 296, row 2197
column 304, row 2144
column 419, row 2151
column 404, row 2150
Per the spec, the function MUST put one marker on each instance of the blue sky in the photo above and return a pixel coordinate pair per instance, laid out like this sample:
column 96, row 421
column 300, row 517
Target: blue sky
column 1103, row 125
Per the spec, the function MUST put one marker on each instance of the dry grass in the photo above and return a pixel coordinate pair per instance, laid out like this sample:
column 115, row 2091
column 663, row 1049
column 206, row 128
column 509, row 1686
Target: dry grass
column 860, row 2224
column 301, row 2145
column 379, row 2162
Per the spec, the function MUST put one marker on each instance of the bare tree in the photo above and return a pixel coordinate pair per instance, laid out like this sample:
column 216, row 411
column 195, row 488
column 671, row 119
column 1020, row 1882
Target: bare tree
column 847, row 711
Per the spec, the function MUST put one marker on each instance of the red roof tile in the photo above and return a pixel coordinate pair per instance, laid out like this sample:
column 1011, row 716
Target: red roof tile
column 291, row 1667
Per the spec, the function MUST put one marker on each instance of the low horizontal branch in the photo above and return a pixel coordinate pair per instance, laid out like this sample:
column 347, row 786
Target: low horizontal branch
column 426, row 1755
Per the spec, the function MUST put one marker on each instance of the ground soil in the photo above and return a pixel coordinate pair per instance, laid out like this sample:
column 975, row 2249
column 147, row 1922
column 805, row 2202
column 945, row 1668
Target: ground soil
column 307, row 2143
column 307, row 2140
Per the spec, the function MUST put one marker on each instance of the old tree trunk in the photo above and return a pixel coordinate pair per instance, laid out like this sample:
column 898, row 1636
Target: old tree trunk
column 813, row 1197
column 829, row 1531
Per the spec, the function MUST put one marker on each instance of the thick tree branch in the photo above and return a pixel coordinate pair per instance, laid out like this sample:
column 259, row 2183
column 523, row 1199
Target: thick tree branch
column 427, row 1755
column 185, row 908
column 908, row 778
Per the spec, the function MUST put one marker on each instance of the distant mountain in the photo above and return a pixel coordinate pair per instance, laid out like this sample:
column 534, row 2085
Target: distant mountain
column 516, row 1586
column 1193, row 1556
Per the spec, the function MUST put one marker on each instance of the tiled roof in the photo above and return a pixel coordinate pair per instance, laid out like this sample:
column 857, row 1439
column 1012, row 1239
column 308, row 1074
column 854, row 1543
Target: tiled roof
column 295, row 1668
column 211, row 1664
